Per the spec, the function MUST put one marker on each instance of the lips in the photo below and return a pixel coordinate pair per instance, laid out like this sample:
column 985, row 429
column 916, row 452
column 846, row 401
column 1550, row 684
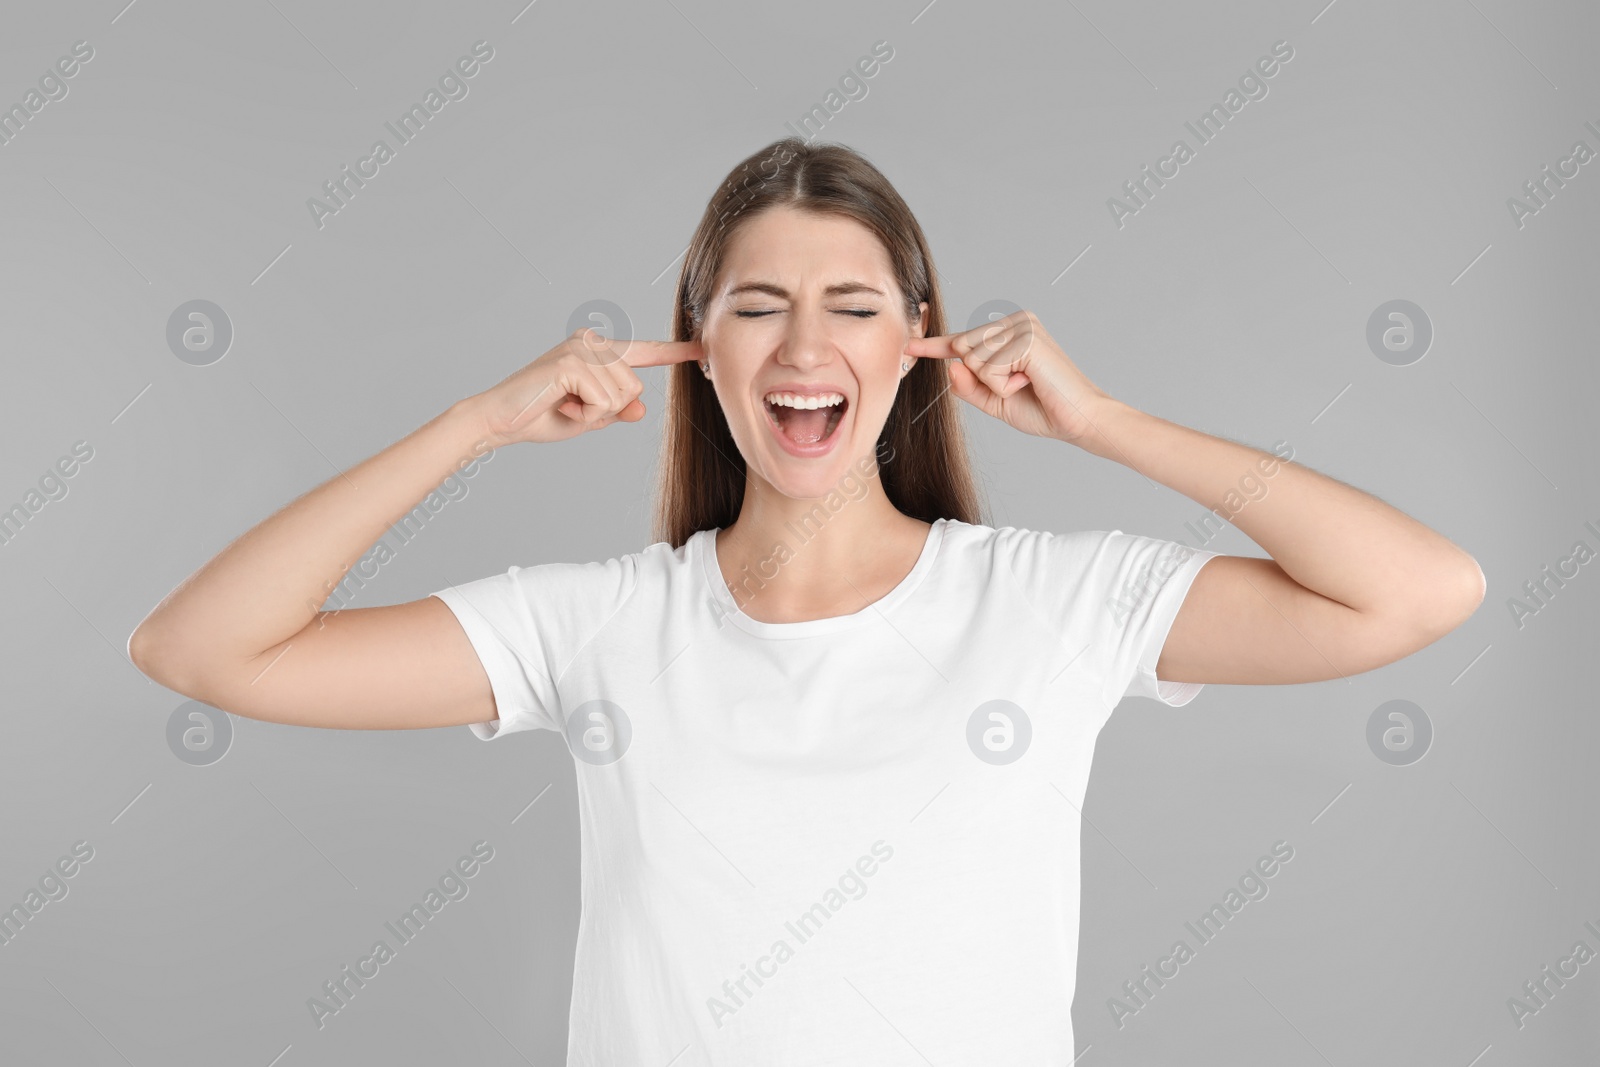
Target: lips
column 806, row 425
column 805, row 432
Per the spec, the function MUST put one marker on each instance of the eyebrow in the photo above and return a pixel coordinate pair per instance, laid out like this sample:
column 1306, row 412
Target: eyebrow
column 844, row 288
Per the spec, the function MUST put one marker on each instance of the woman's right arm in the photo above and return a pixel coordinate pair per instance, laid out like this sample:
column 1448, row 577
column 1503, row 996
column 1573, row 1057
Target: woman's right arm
column 245, row 632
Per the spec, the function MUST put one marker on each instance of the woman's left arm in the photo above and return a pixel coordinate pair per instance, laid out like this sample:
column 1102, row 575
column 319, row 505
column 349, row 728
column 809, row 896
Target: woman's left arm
column 1352, row 583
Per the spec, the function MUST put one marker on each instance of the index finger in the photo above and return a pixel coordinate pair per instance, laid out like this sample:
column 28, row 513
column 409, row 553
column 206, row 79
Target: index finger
column 638, row 352
column 987, row 335
column 940, row 347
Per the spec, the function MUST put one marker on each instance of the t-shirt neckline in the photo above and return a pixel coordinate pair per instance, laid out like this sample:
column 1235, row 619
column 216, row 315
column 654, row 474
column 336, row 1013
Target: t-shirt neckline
column 728, row 608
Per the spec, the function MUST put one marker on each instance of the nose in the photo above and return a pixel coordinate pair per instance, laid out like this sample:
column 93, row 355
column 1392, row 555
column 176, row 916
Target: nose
column 806, row 343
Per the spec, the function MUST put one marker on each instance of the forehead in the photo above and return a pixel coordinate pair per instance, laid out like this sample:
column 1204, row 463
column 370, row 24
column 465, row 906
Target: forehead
column 796, row 247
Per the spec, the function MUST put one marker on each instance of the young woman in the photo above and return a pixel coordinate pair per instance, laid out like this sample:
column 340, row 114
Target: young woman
column 824, row 725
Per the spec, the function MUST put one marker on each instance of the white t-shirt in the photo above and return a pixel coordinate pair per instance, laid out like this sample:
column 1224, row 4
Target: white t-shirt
column 849, row 840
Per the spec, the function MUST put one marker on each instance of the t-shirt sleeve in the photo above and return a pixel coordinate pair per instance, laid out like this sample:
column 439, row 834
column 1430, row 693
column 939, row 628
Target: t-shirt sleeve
column 1114, row 595
column 528, row 624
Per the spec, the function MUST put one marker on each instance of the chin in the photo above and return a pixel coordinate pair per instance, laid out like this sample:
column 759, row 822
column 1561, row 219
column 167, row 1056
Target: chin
column 841, row 472
column 811, row 486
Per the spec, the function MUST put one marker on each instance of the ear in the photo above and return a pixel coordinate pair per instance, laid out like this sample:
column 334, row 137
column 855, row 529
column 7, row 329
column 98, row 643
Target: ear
column 920, row 327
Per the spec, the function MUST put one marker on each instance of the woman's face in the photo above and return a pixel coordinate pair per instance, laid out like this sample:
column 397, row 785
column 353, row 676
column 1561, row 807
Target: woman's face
column 806, row 305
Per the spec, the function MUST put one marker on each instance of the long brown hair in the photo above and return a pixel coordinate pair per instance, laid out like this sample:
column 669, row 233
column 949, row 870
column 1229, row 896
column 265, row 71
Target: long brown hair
column 922, row 451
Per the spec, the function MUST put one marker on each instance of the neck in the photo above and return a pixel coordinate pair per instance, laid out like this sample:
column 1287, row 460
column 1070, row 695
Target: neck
column 788, row 559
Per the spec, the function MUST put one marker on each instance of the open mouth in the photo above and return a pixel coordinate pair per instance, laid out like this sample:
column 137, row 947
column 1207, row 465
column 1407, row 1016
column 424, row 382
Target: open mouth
column 806, row 420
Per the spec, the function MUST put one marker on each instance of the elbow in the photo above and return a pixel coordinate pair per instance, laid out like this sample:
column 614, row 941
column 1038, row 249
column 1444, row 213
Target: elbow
column 1477, row 584
column 1474, row 586
column 1429, row 611
column 154, row 659
column 1453, row 599
column 142, row 652
column 138, row 649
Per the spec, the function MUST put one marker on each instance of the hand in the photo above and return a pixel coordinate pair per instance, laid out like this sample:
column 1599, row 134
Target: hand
column 1012, row 369
column 584, row 383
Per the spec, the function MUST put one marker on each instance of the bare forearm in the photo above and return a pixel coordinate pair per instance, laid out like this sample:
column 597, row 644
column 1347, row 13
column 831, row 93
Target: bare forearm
column 1328, row 536
column 271, row 581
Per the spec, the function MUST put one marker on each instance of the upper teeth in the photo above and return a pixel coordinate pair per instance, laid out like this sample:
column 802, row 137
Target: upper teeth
column 797, row 400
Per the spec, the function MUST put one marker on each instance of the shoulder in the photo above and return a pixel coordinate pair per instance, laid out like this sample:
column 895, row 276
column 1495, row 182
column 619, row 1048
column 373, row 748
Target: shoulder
column 1069, row 566
column 609, row 581
column 1026, row 551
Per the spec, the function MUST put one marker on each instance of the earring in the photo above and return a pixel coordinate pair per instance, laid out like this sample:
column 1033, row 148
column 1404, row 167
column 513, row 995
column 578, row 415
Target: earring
column 904, row 366
column 705, row 368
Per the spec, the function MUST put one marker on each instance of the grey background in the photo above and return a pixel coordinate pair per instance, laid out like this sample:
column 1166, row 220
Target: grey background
column 1378, row 167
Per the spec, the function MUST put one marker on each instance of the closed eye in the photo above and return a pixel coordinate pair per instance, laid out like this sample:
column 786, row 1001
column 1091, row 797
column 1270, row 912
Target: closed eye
column 860, row 313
